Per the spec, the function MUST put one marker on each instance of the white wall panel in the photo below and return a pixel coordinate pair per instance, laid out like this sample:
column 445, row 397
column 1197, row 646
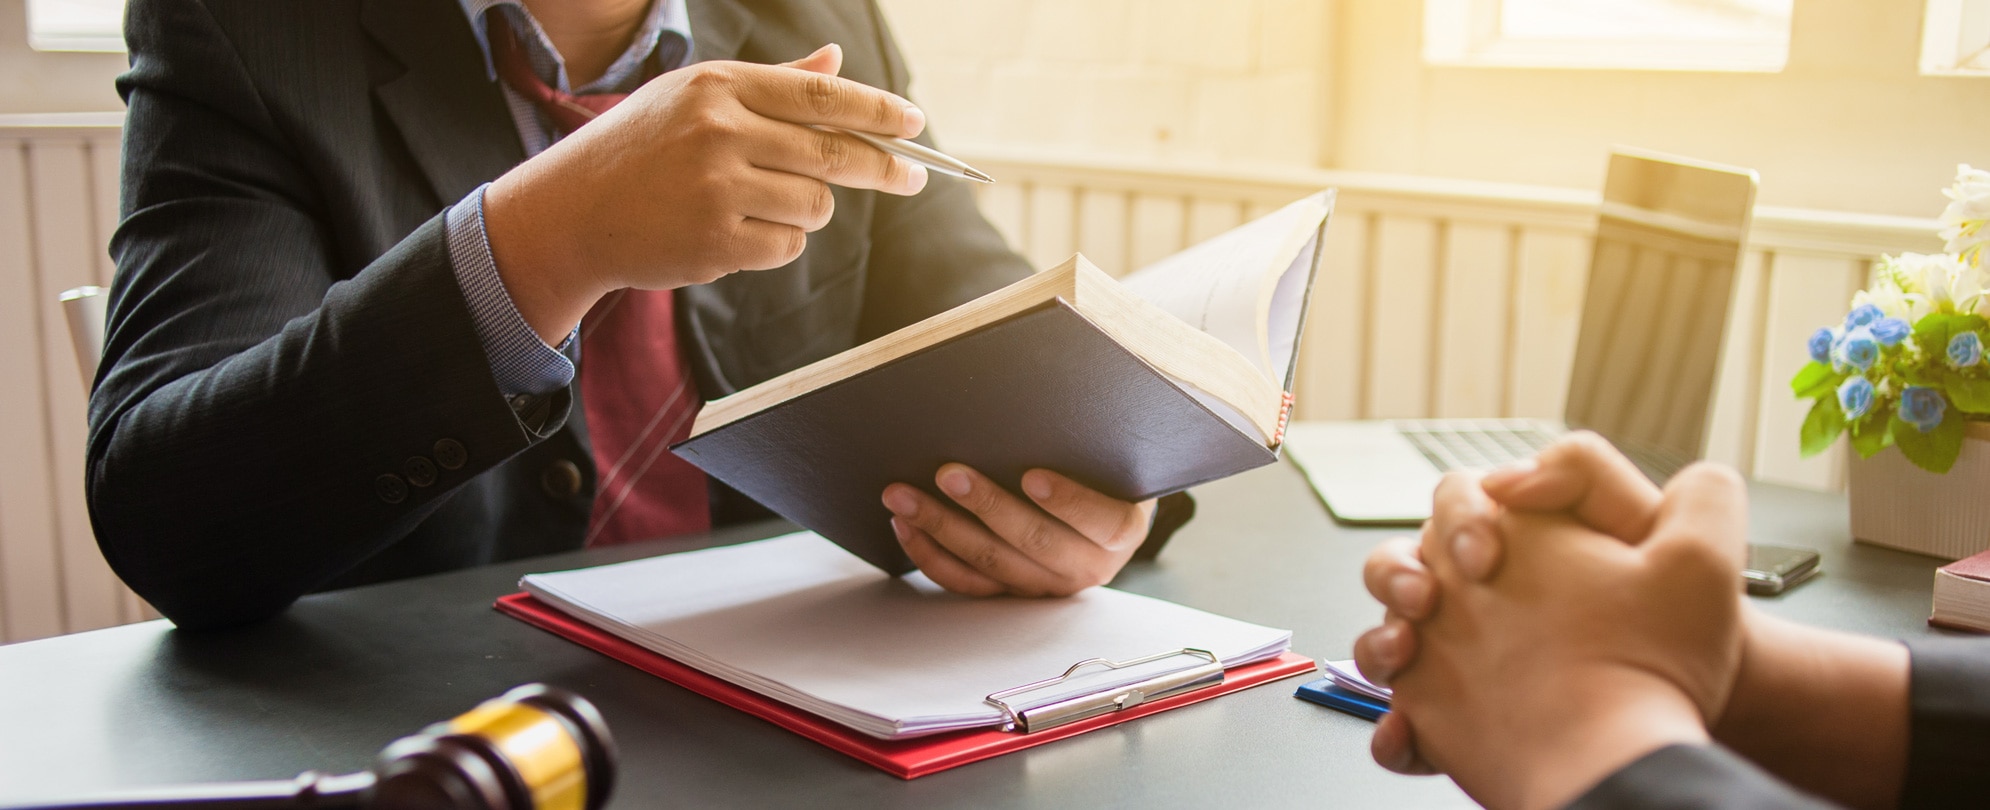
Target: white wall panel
column 104, row 158
column 1805, row 292
column 1207, row 218
column 1157, row 227
column 1473, row 318
column 30, row 567
column 1331, row 359
column 1401, row 305
column 1053, row 221
column 1738, row 390
column 1103, row 229
column 1006, row 205
column 1551, row 273
column 67, row 255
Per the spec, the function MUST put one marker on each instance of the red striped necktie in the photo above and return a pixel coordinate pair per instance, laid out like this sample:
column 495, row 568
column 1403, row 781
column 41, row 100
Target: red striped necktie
column 635, row 387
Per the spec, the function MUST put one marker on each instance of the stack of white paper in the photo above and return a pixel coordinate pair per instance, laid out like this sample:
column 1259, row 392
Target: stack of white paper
column 1347, row 676
column 802, row 621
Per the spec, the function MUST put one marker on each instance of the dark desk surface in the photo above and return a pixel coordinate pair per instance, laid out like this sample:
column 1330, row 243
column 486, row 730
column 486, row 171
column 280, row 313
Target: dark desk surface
column 341, row 674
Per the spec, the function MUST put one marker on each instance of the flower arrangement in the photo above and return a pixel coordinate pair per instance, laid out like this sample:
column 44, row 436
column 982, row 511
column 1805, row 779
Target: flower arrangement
column 1907, row 366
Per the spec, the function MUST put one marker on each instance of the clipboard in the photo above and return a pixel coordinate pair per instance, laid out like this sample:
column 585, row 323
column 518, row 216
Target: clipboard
column 1034, row 723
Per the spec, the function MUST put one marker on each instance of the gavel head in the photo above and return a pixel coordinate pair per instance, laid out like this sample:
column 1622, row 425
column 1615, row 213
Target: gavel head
column 535, row 747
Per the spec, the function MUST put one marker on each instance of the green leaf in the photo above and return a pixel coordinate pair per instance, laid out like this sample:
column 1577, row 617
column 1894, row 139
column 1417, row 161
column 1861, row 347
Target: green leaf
column 1873, row 432
column 1822, row 426
column 1934, row 325
column 1972, row 396
column 1931, row 377
column 1815, row 380
column 1967, row 323
column 1936, row 450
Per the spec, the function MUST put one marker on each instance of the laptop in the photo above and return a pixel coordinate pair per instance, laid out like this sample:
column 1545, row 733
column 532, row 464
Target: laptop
column 1668, row 242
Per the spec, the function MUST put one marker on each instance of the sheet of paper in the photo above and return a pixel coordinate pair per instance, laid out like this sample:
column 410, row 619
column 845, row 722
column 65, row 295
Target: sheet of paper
column 1222, row 285
column 801, row 620
column 1348, row 676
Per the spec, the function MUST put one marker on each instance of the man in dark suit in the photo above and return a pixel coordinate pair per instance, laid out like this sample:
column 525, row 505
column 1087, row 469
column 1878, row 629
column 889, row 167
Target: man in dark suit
column 411, row 285
column 1566, row 634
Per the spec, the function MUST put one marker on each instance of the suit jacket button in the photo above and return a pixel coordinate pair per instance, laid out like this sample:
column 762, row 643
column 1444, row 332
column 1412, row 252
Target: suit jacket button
column 450, row 455
column 420, row 471
column 561, row 479
column 391, row 488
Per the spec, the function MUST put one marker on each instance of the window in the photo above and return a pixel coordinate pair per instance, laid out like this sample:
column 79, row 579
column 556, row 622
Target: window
column 76, row 25
column 1735, row 35
column 1956, row 38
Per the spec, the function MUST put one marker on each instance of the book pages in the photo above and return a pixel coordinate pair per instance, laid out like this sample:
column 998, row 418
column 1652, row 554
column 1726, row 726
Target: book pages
column 1226, row 286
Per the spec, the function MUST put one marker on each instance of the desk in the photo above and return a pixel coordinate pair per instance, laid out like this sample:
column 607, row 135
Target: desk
column 341, row 674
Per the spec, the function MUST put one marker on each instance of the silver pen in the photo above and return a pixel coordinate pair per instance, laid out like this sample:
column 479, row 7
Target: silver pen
column 932, row 159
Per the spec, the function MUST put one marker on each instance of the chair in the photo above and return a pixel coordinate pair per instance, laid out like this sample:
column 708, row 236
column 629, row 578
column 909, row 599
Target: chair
column 85, row 309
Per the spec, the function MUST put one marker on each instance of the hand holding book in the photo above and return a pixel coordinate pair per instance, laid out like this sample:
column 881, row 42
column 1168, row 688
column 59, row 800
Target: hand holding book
column 1102, row 394
column 1064, row 538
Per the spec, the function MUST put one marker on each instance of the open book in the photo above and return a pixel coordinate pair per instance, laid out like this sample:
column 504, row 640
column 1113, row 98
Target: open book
column 1174, row 376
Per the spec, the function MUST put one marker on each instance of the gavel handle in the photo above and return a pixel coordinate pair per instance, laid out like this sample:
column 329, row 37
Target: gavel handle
column 310, row 789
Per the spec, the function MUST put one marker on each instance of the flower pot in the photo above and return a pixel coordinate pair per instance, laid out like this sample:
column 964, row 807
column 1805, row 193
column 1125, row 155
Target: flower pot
column 1898, row 505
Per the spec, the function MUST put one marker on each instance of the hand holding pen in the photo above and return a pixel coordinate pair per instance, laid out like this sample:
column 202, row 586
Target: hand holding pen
column 932, row 159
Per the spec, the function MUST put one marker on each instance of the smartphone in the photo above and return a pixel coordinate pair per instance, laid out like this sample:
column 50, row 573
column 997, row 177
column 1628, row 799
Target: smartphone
column 1774, row 569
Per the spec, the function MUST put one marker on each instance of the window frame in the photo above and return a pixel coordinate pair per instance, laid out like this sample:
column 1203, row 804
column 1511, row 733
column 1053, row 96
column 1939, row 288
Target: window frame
column 1955, row 38
column 90, row 42
column 1467, row 33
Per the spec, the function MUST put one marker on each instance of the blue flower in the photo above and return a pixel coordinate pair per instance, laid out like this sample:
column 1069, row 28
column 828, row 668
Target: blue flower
column 1922, row 407
column 1965, row 350
column 1890, row 331
column 1820, row 344
column 1858, row 349
column 1855, row 396
column 1863, row 315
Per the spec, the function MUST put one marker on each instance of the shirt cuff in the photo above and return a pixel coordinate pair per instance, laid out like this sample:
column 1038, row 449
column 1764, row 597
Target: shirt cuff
column 521, row 363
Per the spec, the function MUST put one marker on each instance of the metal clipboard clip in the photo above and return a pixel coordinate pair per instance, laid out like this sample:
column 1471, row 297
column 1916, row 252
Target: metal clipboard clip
column 1053, row 702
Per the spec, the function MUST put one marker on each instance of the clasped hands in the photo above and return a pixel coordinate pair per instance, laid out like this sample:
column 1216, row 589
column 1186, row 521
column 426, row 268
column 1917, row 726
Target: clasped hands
column 1556, row 621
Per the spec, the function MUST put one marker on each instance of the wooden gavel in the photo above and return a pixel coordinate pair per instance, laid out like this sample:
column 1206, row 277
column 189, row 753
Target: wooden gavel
column 535, row 747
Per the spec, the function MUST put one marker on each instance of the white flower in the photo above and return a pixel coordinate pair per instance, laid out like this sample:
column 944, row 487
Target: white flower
column 1890, row 300
column 1969, row 207
column 1927, row 283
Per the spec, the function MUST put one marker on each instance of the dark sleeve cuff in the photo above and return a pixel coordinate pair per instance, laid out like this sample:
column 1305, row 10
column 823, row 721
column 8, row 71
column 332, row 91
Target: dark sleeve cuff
column 1678, row 777
column 1170, row 514
column 1948, row 748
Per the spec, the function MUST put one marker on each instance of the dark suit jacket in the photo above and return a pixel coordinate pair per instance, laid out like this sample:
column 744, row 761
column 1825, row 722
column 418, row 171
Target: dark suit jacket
column 285, row 327
column 1948, row 757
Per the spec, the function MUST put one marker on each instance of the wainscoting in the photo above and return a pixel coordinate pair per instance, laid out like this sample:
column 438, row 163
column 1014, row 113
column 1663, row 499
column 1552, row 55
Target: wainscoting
column 1437, row 298
column 58, row 204
column 1452, row 298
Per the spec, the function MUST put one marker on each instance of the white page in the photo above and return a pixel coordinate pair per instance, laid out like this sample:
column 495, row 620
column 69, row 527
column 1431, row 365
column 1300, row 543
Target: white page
column 1348, row 676
column 1288, row 303
column 1221, row 285
column 798, row 616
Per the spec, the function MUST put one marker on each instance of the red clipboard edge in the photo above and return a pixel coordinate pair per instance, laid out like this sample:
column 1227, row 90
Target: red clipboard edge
column 905, row 759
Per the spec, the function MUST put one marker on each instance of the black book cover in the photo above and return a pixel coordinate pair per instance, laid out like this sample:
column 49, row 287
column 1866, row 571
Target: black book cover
column 1042, row 388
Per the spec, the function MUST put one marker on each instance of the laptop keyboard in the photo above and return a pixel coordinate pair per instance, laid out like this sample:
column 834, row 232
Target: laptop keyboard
column 1482, row 444
column 1474, row 444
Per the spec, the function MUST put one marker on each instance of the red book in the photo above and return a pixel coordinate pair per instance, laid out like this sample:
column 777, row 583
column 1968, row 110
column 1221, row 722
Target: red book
column 905, row 759
column 1962, row 595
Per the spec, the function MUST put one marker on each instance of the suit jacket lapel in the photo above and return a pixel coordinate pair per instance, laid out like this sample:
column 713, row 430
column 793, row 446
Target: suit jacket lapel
column 448, row 111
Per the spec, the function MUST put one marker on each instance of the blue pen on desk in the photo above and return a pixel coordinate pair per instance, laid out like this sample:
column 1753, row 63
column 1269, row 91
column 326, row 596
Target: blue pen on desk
column 932, row 159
